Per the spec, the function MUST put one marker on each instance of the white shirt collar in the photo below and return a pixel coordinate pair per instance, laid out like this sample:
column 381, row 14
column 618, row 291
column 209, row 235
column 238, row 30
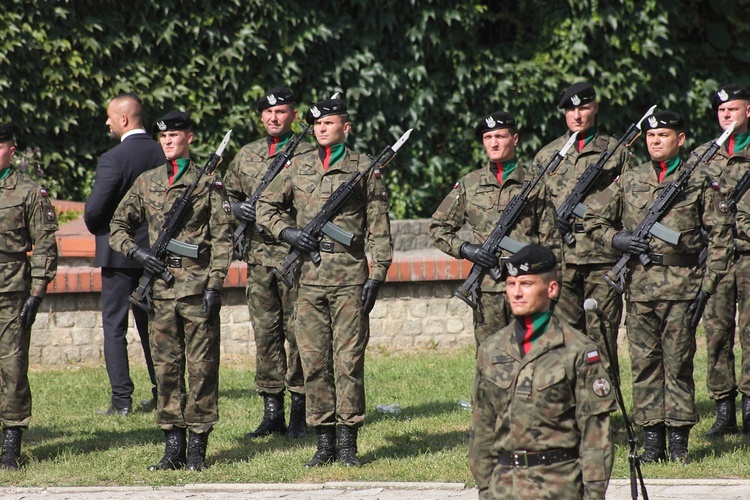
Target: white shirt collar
column 131, row 132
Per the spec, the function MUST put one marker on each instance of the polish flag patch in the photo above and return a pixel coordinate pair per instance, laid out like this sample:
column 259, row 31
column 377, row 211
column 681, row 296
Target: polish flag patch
column 592, row 357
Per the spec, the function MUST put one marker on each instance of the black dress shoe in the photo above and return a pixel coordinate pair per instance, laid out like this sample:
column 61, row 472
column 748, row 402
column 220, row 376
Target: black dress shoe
column 114, row 411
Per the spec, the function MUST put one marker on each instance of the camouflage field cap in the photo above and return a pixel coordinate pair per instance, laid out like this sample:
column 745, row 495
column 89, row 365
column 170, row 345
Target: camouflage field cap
column 495, row 121
column 531, row 259
column 275, row 97
column 577, row 94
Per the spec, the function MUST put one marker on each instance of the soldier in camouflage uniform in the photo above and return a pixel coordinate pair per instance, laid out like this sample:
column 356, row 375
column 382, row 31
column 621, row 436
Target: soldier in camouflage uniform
column 28, row 221
column 335, row 297
column 586, row 260
column 479, row 198
column 541, row 397
column 731, row 103
column 184, row 325
column 271, row 303
column 667, row 296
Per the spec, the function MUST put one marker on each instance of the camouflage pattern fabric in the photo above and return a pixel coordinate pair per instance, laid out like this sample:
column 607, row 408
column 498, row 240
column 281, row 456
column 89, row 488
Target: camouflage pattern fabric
column 558, row 396
column 723, row 307
column 491, row 315
column 671, row 288
column 181, row 337
column 330, row 327
column 479, row 199
column 27, row 219
column 584, row 260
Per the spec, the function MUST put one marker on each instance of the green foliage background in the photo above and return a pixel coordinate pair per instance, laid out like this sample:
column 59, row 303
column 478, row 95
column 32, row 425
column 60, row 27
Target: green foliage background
column 434, row 65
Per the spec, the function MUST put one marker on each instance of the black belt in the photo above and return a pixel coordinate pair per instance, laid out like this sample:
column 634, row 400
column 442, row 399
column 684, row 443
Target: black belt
column 336, row 247
column 525, row 459
column 12, row 257
column 176, row 261
column 673, row 259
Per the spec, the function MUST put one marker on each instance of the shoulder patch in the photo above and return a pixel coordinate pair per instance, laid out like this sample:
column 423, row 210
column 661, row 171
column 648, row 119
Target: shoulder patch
column 218, row 184
column 376, row 173
column 455, row 186
column 226, row 206
column 43, row 192
column 601, row 387
column 593, row 357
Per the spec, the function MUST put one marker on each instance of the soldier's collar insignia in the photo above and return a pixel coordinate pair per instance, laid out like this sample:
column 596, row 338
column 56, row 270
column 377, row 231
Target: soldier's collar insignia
column 575, row 100
column 512, row 270
column 722, row 95
column 161, row 125
column 315, row 112
column 271, row 99
column 652, row 121
column 490, row 122
column 601, row 387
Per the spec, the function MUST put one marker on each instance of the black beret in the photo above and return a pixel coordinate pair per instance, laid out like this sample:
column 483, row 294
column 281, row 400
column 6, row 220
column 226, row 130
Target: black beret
column 531, row 259
column 577, row 94
column 324, row 108
column 275, row 97
column 730, row 92
column 664, row 119
column 174, row 120
column 6, row 132
column 495, row 121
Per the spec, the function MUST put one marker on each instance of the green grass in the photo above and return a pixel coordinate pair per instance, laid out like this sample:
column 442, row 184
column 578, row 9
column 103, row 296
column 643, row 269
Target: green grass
column 68, row 444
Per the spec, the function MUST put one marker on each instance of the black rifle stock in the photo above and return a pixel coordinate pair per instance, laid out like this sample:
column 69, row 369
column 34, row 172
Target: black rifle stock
column 277, row 165
column 616, row 276
column 285, row 270
column 141, row 296
column 572, row 206
column 468, row 289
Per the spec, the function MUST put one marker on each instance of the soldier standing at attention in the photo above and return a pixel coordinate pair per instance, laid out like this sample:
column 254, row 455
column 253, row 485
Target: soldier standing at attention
column 28, row 222
column 271, row 303
column 479, row 198
column 732, row 104
column 586, row 260
column 184, row 324
column 540, row 424
column 665, row 295
column 336, row 296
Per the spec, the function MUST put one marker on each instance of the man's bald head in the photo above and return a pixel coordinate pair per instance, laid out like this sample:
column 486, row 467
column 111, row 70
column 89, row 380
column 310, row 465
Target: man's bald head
column 124, row 113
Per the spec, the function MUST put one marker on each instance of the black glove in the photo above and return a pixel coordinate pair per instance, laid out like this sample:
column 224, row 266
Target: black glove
column 211, row 304
column 148, row 260
column 625, row 242
column 697, row 307
column 28, row 311
column 369, row 294
column 477, row 255
column 564, row 226
column 299, row 239
column 244, row 211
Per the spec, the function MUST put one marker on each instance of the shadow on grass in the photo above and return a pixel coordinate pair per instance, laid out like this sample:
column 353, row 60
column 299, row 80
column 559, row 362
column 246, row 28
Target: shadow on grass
column 49, row 443
column 413, row 444
column 428, row 409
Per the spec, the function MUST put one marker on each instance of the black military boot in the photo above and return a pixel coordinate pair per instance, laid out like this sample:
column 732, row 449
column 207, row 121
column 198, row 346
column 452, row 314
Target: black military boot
column 346, row 451
column 655, row 445
column 297, row 426
column 196, row 450
column 273, row 417
column 745, row 414
column 326, row 452
column 726, row 418
column 11, row 457
column 174, row 451
column 678, row 444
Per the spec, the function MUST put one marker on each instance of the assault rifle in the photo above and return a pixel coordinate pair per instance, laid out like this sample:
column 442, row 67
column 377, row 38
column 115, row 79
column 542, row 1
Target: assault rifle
column 572, row 205
column 498, row 238
column 739, row 191
column 141, row 296
column 321, row 223
column 661, row 205
column 279, row 162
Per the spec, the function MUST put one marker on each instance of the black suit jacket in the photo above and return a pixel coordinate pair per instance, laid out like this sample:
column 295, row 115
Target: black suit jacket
column 115, row 173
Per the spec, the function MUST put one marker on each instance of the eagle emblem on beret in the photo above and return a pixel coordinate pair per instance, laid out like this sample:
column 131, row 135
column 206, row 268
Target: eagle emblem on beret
column 271, row 99
column 652, row 121
column 315, row 112
column 161, row 125
column 512, row 270
column 490, row 122
column 575, row 100
column 722, row 95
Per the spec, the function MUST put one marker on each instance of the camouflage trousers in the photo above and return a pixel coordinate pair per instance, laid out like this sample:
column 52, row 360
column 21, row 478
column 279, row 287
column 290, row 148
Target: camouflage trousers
column 182, row 338
column 662, row 347
column 332, row 334
column 271, row 306
column 730, row 301
column 15, row 394
column 491, row 315
column 553, row 482
column 586, row 282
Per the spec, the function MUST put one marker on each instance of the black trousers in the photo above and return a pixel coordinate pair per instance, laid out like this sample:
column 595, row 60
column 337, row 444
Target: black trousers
column 117, row 285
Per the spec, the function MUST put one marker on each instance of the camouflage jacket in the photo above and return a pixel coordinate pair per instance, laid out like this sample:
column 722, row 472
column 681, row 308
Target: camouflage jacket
column 725, row 172
column 27, row 220
column 242, row 179
column 562, row 181
column 305, row 186
column 626, row 202
column 558, row 396
column 479, row 199
column 208, row 224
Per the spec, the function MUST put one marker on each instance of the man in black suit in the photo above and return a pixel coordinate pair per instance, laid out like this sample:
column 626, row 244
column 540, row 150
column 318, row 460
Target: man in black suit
column 115, row 173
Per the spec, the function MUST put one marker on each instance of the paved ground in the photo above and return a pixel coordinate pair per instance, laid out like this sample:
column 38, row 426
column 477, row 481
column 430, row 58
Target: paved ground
column 683, row 489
